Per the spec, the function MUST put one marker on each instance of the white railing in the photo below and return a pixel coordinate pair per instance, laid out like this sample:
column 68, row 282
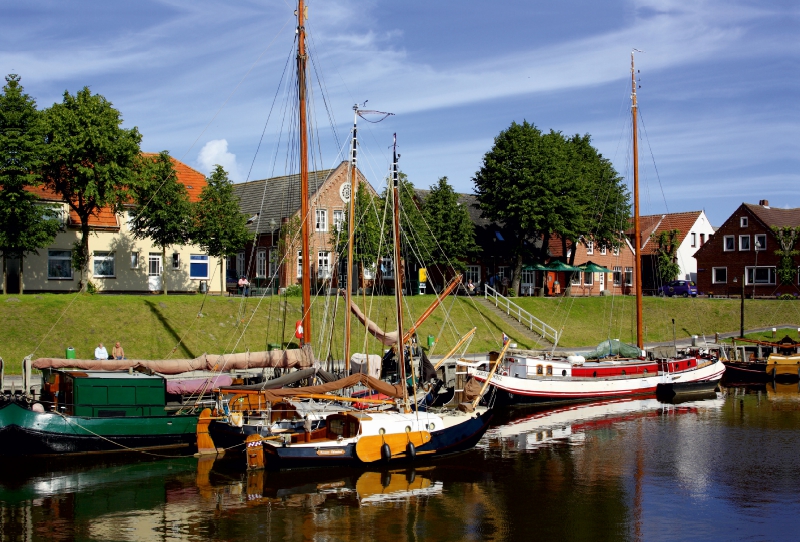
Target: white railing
column 524, row 317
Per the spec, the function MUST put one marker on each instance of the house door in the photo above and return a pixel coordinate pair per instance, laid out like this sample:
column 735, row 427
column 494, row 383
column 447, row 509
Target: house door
column 154, row 265
column 12, row 275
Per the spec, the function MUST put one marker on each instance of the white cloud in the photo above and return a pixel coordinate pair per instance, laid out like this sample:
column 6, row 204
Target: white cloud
column 216, row 152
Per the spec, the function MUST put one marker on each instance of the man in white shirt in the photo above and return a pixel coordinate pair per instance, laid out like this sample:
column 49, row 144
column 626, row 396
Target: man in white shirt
column 100, row 352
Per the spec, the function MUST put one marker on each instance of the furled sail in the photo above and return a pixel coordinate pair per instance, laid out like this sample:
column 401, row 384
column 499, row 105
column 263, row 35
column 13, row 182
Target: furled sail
column 300, row 358
column 387, row 338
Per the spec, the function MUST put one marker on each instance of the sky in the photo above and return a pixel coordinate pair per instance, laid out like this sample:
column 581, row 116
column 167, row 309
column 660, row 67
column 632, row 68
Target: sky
column 207, row 81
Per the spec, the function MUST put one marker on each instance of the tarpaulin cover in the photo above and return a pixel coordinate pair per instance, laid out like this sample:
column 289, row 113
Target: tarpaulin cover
column 347, row 382
column 195, row 385
column 613, row 347
column 387, row 338
column 285, row 359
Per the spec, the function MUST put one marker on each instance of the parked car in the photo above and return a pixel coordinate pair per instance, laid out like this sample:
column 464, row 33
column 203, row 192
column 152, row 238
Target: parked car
column 685, row 288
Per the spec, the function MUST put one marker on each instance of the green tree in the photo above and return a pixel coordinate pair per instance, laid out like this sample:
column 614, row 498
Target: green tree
column 416, row 238
column 88, row 159
column 163, row 211
column 366, row 232
column 220, row 226
column 455, row 232
column 538, row 184
column 667, row 255
column 786, row 269
column 25, row 225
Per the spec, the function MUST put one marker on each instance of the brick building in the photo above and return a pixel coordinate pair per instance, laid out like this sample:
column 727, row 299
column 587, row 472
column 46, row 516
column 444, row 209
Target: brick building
column 744, row 248
column 274, row 202
column 620, row 260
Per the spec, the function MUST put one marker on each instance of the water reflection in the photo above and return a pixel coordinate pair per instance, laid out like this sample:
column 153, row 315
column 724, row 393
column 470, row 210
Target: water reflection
column 632, row 469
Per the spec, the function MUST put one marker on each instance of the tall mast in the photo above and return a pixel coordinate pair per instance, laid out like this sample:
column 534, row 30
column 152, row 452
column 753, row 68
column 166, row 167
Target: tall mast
column 637, row 229
column 304, row 208
column 350, row 237
column 398, row 287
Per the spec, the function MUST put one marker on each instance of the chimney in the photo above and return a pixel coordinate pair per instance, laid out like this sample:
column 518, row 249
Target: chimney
column 763, row 202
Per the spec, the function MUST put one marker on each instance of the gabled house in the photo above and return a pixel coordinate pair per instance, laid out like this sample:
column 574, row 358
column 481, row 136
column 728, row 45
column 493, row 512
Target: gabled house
column 274, row 203
column 117, row 262
column 743, row 250
column 694, row 230
column 620, row 260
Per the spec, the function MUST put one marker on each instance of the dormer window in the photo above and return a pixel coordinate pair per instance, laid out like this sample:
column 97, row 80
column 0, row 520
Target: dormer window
column 743, row 222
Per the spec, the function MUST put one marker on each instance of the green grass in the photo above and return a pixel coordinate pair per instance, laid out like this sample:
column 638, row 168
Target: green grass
column 153, row 327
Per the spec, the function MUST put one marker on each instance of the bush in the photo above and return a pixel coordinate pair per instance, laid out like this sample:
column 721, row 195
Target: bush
column 91, row 288
column 787, row 297
column 294, row 291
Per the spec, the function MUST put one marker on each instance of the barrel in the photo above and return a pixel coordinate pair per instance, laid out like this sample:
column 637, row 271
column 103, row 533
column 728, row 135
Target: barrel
column 70, row 353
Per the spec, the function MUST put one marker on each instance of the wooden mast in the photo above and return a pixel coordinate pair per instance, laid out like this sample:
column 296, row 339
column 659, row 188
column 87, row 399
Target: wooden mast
column 350, row 238
column 637, row 229
column 398, row 286
column 304, row 207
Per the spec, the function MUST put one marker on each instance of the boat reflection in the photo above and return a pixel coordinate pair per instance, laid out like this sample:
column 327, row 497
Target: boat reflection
column 570, row 424
column 783, row 392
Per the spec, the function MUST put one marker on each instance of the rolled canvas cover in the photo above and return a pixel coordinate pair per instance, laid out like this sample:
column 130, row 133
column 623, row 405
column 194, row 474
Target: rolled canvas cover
column 366, row 364
column 300, row 358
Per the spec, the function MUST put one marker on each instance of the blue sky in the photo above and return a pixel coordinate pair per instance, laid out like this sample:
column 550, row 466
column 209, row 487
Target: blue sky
column 719, row 79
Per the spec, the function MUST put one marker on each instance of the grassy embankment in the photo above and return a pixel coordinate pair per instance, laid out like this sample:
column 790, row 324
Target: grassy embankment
column 158, row 327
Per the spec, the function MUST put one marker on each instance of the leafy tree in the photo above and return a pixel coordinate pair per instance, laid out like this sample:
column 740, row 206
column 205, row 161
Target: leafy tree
column 88, row 159
column 366, row 233
column 786, row 269
column 667, row 255
column 163, row 213
column 416, row 238
column 25, row 225
column 455, row 232
column 538, row 184
column 220, row 226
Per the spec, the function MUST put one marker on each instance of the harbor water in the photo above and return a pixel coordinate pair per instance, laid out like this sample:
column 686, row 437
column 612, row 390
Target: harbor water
column 723, row 467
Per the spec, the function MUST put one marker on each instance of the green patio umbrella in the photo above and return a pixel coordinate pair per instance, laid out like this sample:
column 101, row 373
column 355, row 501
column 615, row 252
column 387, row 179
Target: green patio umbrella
column 557, row 265
column 533, row 267
column 591, row 267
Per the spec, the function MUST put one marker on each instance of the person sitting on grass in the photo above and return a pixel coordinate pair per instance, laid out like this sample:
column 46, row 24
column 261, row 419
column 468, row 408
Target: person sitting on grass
column 117, row 352
column 100, row 352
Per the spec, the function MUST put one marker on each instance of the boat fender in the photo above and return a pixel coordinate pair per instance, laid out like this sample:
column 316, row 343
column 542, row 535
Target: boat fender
column 504, row 373
column 298, row 329
column 411, row 451
column 37, row 407
column 576, row 360
column 386, row 452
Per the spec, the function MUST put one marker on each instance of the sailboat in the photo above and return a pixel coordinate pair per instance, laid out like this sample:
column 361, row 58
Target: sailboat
column 308, row 426
column 618, row 370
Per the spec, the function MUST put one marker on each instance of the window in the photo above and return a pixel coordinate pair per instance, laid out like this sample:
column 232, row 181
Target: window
column 744, row 242
column 59, row 264
column 617, row 276
column 528, row 277
column 590, row 248
column 616, row 251
column 369, row 272
column 730, row 243
column 324, row 264
column 603, row 250
column 629, row 276
column 338, row 218
column 588, row 278
column 761, row 241
column 104, row 264
column 299, row 264
column 743, row 222
column 135, row 260
column 473, row 274
column 240, row 264
column 719, row 275
column 702, row 239
column 569, row 253
column 273, row 262
column 387, row 270
column 198, row 266
column 503, row 271
column 575, row 280
column 322, row 220
column 130, row 217
column 261, row 263
column 176, row 260
column 694, row 239
column 760, row 275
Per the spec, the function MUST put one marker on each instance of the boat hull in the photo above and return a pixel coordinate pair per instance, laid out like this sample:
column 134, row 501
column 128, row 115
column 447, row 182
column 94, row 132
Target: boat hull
column 699, row 380
column 456, row 438
column 24, row 432
column 511, row 390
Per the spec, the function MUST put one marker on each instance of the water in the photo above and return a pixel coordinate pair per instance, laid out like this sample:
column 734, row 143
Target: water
column 721, row 468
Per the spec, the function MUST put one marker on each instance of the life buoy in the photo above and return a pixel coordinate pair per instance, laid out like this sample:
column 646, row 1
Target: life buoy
column 298, row 329
column 504, row 373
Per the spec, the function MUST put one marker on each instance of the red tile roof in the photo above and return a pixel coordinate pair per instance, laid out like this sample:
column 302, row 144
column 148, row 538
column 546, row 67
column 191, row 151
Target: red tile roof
column 105, row 217
column 655, row 224
column 772, row 216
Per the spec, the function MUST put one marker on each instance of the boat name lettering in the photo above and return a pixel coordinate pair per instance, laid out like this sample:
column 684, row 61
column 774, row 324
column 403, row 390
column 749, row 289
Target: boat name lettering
column 330, row 451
